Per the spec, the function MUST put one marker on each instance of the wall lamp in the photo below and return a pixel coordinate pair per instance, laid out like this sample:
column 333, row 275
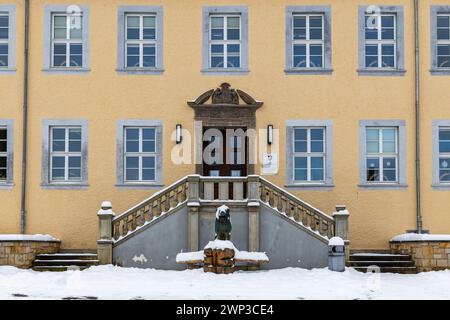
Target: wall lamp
column 269, row 134
column 179, row 137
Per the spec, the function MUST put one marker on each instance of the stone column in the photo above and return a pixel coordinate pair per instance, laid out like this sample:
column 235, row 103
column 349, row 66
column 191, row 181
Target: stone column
column 105, row 243
column 193, row 205
column 253, row 208
column 341, row 228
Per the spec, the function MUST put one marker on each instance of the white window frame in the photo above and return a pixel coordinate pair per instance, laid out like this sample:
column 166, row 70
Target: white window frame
column 308, row 155
column 66, row 154
column 141, row 42
column 380, row 155
column 67, row 41
column 379, row 42
column 308, row 42
column 225, row 42
column 140, row 154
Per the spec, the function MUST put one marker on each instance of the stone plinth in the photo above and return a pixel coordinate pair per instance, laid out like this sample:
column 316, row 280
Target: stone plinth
column 219, row 260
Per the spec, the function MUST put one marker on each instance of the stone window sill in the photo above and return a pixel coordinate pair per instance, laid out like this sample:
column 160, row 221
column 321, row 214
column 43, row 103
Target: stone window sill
column 6, row 185
column 66, row 70
column 382, row 72
column 311, row 71
column 383, row 186
column 219, row 71
column 64, row 186
column 310, row 186
column 130, row 71
column 441, row 186
column 7, row 70
column 132, row 186
column 440, row 71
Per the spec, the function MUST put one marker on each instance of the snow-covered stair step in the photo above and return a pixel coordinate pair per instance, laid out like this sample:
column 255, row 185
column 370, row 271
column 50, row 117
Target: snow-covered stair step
column 381, row 263
column 403, row 270
column 379, row 257
column 61, row 261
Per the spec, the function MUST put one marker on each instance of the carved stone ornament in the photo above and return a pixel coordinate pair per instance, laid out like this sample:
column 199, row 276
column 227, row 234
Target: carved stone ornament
column 225, row 96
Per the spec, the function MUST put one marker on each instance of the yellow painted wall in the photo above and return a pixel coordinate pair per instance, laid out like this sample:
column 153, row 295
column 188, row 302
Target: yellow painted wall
column 102, row 96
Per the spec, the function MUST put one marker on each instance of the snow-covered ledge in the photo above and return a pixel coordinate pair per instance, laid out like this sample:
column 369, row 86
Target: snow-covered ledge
column 429, row 251
column 19, row 250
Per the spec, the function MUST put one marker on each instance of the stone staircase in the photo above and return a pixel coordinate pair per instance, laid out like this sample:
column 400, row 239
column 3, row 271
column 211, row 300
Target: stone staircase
column 386, row 261
column 64, row 261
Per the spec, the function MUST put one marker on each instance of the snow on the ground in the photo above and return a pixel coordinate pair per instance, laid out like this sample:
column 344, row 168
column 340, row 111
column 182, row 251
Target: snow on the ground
column 27, row 237
column 108, row 282
column 421, row 237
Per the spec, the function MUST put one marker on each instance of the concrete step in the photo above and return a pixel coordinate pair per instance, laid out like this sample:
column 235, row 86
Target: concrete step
column 67, row 256
column 381, row 263
column 403, row 270
column 65, row 262
column 57, row 268
column 379, row 257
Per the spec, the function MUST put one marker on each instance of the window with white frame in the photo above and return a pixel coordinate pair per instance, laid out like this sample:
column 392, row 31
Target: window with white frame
column 225, row 41
column 309, row 154
column 65, row 154
column 67, row 40
column 443, row 41
column 444, row 154
column 380, row 41
column 308, row 41
column 140, row 41
column 3, row 154
column 381, row 154
column 4, row 40
column 139, row 154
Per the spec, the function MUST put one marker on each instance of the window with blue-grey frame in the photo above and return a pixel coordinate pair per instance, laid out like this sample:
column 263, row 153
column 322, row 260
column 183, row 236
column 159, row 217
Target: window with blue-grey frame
column 382, row 145
column 308, row 39
column 139, row 154
column 66, row 39
column 225, row 40
column 6, row 153
column 140, row 40
column 309, row 154
column 441, row 154
column 64, row 154
column 7, row 38
column 381, row 40
column 440, row 40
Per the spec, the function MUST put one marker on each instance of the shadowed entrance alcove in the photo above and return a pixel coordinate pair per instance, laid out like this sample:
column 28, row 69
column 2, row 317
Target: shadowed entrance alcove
column 224, row 108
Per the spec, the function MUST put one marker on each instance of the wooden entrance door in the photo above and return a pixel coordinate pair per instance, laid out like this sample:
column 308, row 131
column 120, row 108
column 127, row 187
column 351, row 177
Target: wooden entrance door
column 225, row 152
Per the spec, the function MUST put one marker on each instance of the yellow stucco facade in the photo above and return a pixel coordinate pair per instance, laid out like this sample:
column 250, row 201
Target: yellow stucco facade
column 102, row 96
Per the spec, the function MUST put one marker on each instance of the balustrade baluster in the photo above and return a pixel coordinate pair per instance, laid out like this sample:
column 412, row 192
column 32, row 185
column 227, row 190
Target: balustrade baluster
column 167, row 204
column 271, row 198
column 175, row 196
column 279, row 202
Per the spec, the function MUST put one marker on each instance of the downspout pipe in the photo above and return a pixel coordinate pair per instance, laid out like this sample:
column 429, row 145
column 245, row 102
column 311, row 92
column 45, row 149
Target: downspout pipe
column 25, row 121
column 417, row 114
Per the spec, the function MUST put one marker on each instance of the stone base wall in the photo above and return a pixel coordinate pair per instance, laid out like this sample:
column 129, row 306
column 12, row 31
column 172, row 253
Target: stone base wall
column 427, row 255
column 21, row 254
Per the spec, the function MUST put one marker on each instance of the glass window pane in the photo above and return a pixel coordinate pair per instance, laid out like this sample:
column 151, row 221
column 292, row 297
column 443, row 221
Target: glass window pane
column 316, row 162
column 444, row 146
column 132, row 174
column 148, row 146
column 233, row 62
column 300, row 146
column 389, row 163
column 217, row 34
column 444, row 169
column 300, row 134
column 149, row 33
column 60, row 33
column 299, row 22
column 300, row 49
column 133, row 21
column 316, row 146
column 148, row 134
column 74, row 174
column 372, row 134
column 74, row 162
column 443, row 50
column 315, row 22
column 3, row 174
column 4, row 21
column 58, row 145
column 3, row 60
column 233, row 22
column 149, row 61
column 59, row 61
column 300, row 62
column 317, row 175
column 388, row 61
column 3, row 162
column 148, row 162
column 300, row 175
column 217, row 62
column 389, row 146
column 299, row 34
column 371, row 34
column 132, row 134
column 216, row 22
column 387, row 34
column 389, row 134
column 76, row 33
column 58, row 174
column 315, row 34
column 217, row 48
column 443, row 34
column 233, row 48
column 132, row 61
column 149, row 22
column 60, row 21
column 59, row 49
column 389, row 175
column 444, row 134
column 132, row 162
column 300, row 162
column 74, row 146
column 371, row 50
column 75, row 134
column 58, row 162
column 372, row 147
column 373, row 171
column 443, row 22
column 133, row 49
column 3, row 134
column 3, row 146
column 3, row 49
column 316, row 62
column 387, row 21
column 387, row 49
column 132, row 146
column 315, row 50
column 59, row 133
column 148, row 174
column 132, row 34
column 233, row 34
column 443, row 62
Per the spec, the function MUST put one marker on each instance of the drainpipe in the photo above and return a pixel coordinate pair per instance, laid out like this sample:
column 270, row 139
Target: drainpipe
column 25, row 120
column 417, row 113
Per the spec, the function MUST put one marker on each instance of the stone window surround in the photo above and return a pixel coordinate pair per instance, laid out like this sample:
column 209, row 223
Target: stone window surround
column 327, row 52
column 47, row 68
column 120, row 183
column 45, row 178
column 328, row 125
column 121, row 12
column 400, row 46
column 401, row 125
column 436, row 184
column 9, row 125
column 207, row 12
column 434, row 11
column 10, row 9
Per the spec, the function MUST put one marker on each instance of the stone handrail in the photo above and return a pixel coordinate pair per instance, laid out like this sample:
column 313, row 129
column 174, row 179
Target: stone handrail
column 293, row 207
column 152, row 207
